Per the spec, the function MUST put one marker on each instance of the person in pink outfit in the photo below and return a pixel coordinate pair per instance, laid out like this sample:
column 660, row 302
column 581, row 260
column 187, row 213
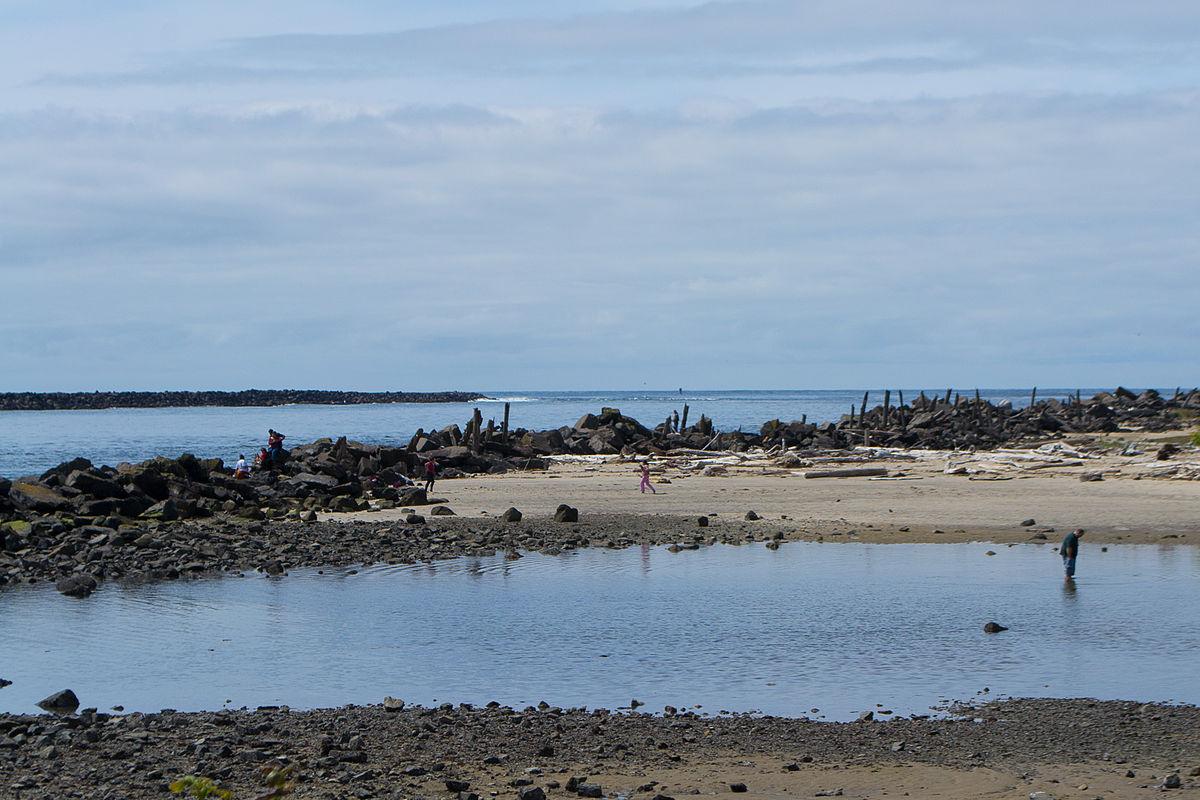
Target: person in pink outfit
column 646, row 479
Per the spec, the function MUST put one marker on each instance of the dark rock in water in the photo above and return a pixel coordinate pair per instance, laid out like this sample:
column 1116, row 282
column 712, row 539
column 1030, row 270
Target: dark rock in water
column 414, row 519
column 993, row 627
column 4, row 683
column 441, row 511
column 531, row 793
column 566, row 513
column 273, row 567
column 1028, row 523
column 702, row 522
column 737, row 788
column 79, row 585
column 752, row 516
column 512, row 515
column 63, row 702
column 866, row 716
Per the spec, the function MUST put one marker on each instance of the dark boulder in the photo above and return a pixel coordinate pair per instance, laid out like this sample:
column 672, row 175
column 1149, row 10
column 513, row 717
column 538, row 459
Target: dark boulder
column 566, row 513
column 512, row 515
column 63, row 702
column 78, row 585
column 36, row 497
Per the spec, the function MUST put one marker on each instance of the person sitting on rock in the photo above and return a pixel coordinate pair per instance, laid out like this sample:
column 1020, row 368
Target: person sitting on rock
column 274, row 447
column 431, row 468
column 241, row 470
column 262, row 459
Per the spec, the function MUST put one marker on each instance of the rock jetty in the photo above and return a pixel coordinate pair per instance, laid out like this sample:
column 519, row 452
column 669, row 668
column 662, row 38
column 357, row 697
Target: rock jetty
column 76, row 401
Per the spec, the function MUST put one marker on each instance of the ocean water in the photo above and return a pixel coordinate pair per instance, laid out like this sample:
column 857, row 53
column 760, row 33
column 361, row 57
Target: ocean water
column 33, row 441
column 837, row 627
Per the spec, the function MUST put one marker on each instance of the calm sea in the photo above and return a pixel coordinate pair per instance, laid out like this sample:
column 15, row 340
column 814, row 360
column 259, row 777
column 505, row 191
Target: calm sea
column 33, row 441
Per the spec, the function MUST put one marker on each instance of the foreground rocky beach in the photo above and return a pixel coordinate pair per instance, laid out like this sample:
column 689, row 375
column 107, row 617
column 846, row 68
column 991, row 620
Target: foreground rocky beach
column 1010, row 749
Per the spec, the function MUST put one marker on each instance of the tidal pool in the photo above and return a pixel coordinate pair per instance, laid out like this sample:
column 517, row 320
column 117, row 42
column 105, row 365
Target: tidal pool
column 835, row 627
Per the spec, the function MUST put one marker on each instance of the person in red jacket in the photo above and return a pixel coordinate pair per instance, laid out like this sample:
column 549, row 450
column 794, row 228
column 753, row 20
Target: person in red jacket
column 431, row 468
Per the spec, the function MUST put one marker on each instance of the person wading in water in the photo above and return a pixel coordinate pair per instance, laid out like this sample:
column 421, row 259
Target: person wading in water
column 1069, row 550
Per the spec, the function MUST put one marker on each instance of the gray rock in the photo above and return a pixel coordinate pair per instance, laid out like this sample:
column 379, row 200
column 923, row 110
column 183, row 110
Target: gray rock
column 77, row 585
column 393, row 704
column 512, row 515
column 566, row 513
column 737, row 788
column 531, row 793
column 1028, row 523
column 752, row 516
column 63, row 702
column 441, row 511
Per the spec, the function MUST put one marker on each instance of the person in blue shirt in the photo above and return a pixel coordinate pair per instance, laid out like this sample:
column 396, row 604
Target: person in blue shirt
column 1069, row 550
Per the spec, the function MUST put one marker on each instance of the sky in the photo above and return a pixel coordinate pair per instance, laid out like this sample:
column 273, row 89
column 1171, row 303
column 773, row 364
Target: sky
column 598, row 194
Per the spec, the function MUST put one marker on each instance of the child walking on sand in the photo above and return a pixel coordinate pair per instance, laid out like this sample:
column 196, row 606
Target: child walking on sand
column 646, row 479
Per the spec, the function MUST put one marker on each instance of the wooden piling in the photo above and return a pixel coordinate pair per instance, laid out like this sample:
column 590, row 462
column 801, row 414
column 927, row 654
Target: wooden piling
column 476, row 425
column 683, row 420
column 887, row 402
column 504, row 425
column 1033, row 397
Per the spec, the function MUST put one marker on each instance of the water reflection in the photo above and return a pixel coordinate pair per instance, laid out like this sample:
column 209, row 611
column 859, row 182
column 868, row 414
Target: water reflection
column 839, row 627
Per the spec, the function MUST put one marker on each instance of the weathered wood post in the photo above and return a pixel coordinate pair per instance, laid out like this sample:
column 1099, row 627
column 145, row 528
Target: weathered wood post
column 504, row 425
column 1033, row 397
column 948, row 391
column 683, row 420
column 476, row 424
column 887, row 403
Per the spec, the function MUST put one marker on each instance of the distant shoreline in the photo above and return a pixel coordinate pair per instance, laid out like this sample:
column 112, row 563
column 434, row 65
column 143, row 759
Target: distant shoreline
column 94, row 401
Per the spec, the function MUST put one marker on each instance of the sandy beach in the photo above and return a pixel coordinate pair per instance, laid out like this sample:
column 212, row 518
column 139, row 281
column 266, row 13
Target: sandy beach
column 927, row 505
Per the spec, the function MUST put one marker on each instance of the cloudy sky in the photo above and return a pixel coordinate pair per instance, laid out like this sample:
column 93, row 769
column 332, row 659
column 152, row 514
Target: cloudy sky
column 598, row 194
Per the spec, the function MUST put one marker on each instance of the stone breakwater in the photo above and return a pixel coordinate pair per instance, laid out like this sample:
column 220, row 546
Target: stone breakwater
column 76, row 401
column 393, row 750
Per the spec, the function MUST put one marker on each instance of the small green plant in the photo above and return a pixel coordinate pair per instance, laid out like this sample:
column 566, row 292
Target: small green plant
column 278, row 781
column 198, row 787
column 1196, row 438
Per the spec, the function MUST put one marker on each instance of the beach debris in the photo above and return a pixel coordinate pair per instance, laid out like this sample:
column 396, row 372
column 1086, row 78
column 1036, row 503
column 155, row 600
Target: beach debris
column 858, row 472
column 830, row 793
column 993, row 627
column 61, row 702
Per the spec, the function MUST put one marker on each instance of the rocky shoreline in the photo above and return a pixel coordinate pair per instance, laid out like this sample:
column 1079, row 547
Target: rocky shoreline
column 78, row 560
column 79, row 401
column 394, row 751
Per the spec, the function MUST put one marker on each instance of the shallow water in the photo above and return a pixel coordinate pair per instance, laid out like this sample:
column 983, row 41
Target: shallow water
column 33, row 441
column 839, row 627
